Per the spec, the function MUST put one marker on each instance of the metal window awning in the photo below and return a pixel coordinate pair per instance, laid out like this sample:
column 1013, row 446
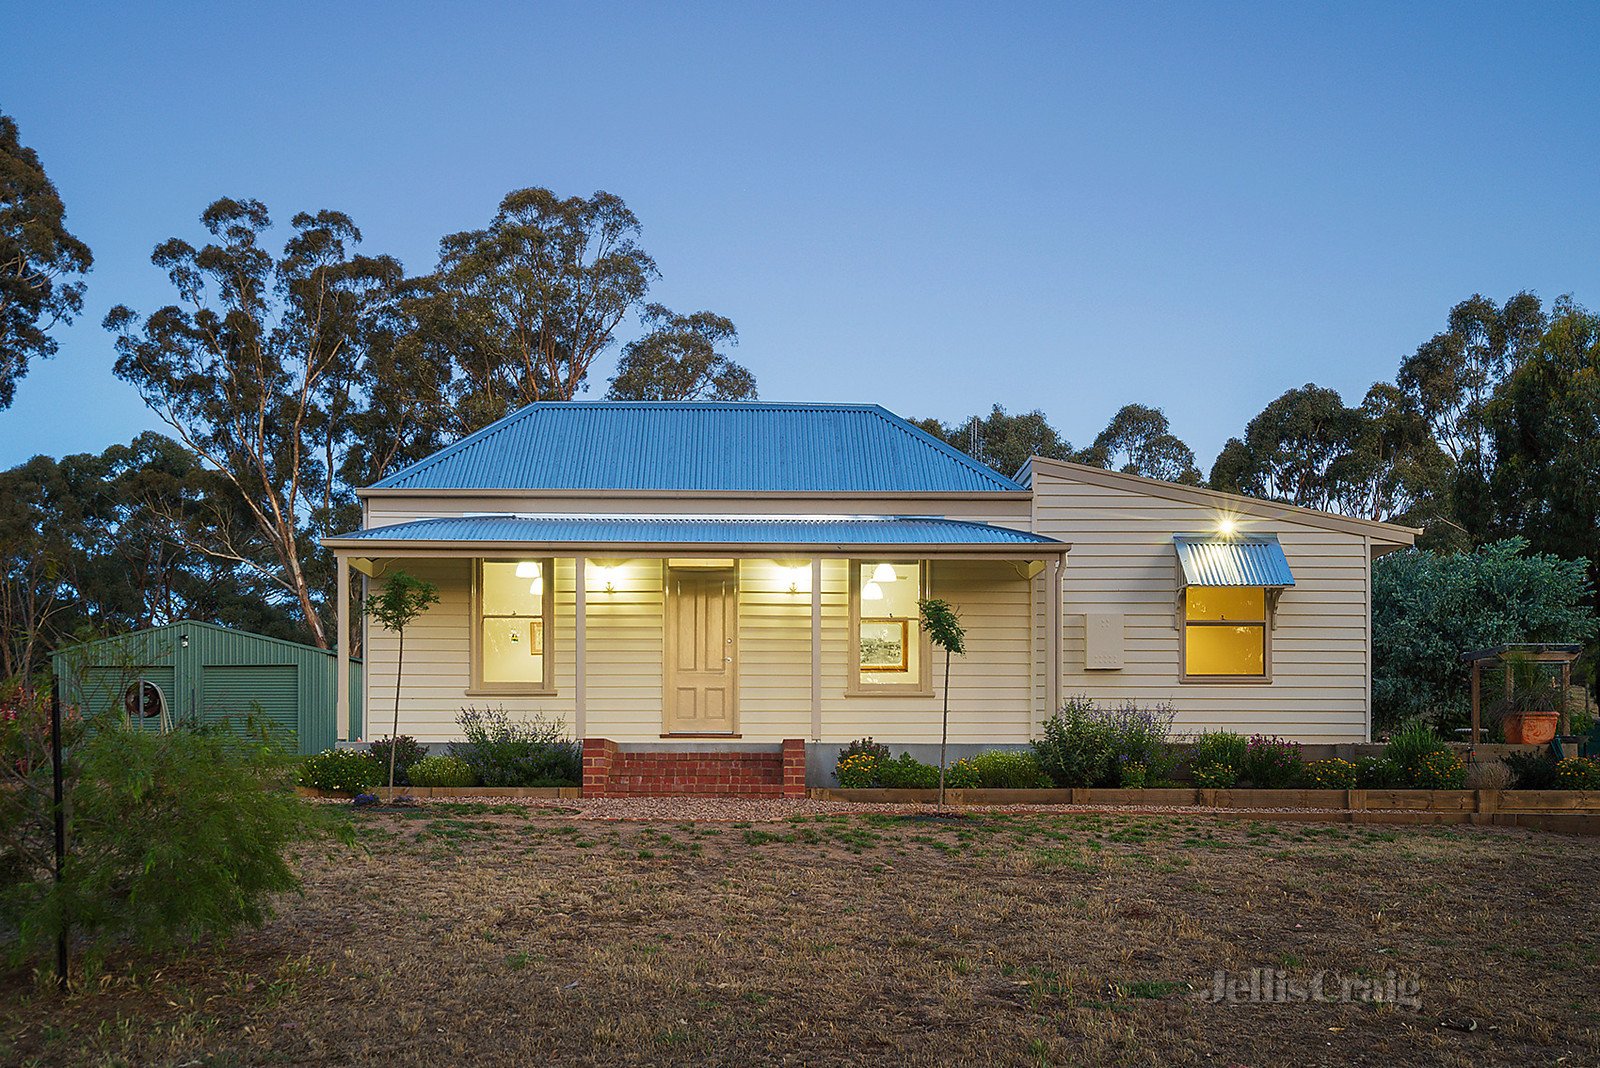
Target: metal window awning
column 1241, row 560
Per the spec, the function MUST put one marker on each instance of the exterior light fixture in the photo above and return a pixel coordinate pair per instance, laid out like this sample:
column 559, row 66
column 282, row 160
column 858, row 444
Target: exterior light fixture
column 884, row 573
column 872, row 592
column 797, row 575
column 1227, row 526
column 528, row 569
column 606, row 577
column 183, row 641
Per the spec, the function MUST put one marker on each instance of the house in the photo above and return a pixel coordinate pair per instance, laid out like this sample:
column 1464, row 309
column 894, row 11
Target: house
column 719, row 578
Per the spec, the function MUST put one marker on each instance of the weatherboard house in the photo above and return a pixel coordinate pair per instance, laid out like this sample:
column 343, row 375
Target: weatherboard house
column 711, row 593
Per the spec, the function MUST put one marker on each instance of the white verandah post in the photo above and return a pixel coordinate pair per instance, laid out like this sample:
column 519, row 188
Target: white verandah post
column 816, row 649
column 580, row 628
column 341, row 660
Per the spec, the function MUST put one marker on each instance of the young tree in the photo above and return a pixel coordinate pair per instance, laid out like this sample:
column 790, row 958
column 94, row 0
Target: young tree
column 1139, row 441
column 39, row 261
column 258, row 372
column 401, row 601
column 943, row 625
column 678, row 361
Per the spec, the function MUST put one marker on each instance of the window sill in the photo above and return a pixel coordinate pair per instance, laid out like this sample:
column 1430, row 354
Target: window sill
column 1225, row 680
column 889, row 691
column 480, row 691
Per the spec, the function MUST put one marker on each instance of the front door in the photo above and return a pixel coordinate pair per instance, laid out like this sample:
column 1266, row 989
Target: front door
column 702, row 651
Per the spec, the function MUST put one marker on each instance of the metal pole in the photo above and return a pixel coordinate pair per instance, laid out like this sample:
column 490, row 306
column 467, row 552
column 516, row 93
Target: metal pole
column 61, row 826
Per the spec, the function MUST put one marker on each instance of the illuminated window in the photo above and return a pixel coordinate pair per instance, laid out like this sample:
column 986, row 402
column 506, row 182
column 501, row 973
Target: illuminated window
column 888, row 650
column 513, row 608
column 1225, row 632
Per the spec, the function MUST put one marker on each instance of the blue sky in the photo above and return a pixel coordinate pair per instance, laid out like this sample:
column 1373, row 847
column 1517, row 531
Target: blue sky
column 936, row 207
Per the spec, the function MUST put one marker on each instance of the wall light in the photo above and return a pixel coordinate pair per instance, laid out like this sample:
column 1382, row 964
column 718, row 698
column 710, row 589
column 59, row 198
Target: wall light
column 872, row 592
column 1227, row 526
column 799, row 579
column 606, row 578
column 183, row 641
column 528, row 569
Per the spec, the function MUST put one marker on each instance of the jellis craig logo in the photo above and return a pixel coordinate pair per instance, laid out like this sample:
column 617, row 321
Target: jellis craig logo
column 1274, row 986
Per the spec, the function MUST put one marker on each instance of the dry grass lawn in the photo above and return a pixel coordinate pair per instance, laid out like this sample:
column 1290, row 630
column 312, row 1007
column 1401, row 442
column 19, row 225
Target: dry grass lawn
column 489, row 935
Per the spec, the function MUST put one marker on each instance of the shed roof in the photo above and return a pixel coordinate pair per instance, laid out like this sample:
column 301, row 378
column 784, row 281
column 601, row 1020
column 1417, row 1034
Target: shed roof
column 690, row 446
column 584, row 530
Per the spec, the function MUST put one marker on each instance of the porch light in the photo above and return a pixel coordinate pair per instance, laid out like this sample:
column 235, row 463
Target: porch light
column 528, row 569
column 798, row 578
column 883, row 573
column 1227, row 526
column 606, row 578
column 872, row 592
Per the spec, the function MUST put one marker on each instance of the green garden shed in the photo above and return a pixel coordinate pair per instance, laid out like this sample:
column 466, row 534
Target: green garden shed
column 200, row 672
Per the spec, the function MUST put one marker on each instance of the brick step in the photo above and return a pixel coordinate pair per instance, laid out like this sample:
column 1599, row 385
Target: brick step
column 608, row 771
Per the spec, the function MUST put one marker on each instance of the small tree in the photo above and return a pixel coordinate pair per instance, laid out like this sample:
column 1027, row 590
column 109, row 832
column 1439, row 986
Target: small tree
column 943, row 625
column 403, row 599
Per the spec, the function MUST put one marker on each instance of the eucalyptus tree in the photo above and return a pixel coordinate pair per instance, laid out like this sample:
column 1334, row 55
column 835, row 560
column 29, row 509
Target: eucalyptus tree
column 41, row 263
column 1139, row 441
column 1001, row 440
column 677, row 360
column 258, row 369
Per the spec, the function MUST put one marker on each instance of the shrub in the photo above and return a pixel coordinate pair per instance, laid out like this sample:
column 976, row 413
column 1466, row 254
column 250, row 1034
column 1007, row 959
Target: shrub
column 442, row 771
column 171, row 837
column 1491, row 775
column 1216, row 760
column 905, row 772
column 1001, row 769
column 1132, row 774
column 1331, row 774
column 1533, row 771
column 962, row 775
column 1409, row 747
column 1577, row 773
column 406, row 753
column 1378, row 773
column 857, row 766
column 1271, row 763
column 1440, row 770
column 342, row 771
column 1084, row 745
column 533, row 752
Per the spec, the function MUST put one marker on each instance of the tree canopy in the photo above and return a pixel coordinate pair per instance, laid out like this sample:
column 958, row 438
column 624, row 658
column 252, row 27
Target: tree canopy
column 41, row 263
column 678, row 361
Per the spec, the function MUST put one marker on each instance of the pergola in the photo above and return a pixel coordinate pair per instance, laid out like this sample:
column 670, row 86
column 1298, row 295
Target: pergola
column 1542, row 652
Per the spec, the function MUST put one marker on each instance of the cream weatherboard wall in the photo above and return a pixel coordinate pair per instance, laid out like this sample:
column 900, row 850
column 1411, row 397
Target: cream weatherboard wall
column 991, row 696
column 1123, row 562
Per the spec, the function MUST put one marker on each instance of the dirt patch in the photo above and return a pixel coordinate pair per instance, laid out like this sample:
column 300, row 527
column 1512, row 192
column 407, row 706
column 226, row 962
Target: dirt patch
column 512, row 934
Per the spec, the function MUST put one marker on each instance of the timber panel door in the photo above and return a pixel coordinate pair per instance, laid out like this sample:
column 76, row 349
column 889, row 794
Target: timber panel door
column 702, row 653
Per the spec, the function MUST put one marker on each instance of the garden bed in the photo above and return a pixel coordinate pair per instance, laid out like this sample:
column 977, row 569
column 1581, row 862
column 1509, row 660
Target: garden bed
column 464, row 792
column 1463, row 801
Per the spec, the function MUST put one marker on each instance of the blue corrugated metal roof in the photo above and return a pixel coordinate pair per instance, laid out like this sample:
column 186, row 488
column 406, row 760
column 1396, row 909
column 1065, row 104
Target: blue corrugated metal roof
column 706, row 446
column 696, row 530
column 1245, row 560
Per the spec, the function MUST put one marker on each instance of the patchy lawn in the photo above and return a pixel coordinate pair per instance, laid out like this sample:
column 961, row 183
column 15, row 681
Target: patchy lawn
column 504, row 935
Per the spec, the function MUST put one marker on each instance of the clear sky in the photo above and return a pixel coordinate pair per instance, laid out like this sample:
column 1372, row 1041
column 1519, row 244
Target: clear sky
column 932, row 206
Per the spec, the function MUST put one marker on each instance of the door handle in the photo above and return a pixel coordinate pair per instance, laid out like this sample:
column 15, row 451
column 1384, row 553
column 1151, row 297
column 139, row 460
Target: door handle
column 727, row 660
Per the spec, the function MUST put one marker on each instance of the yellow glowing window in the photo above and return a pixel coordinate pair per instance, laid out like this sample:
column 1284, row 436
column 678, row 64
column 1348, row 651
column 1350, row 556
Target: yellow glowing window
column 1225, row 632
column 514, row 599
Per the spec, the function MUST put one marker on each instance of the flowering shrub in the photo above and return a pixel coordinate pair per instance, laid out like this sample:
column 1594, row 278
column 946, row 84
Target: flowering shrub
column 1578, row 773
column 1379, row 773
column 1271, row 763
column 1440, row 770
column 442, row 771
column 1133, row 774
column 1331, row 774
column 1085, row 745
column 962, row 775
column 906, row 772
column 503, row 752
column 1409, row 749
column 344, row 771
column 406, row 753
column 857, row 771
column 1216, row 760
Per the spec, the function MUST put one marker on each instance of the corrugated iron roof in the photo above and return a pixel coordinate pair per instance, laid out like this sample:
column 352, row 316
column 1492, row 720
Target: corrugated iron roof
column 695, row 530
column 1244, row 560
column 749, row 446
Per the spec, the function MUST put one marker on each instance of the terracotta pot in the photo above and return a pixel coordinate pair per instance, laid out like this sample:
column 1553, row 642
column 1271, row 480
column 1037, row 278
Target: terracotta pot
column 1529, row 728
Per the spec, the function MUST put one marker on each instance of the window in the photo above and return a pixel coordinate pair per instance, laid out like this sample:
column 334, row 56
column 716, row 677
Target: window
column 513, row 624
column 1225, row 632
column 888, row 654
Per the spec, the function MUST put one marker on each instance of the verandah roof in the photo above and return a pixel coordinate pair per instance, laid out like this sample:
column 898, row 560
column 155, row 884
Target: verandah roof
column 580, row 531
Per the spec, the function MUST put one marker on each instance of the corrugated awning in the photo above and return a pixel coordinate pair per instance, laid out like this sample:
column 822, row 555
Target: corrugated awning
column 639, row 530
column 1242, row 560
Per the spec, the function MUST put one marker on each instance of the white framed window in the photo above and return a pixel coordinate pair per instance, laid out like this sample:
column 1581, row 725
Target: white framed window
column 1226, row 634
column 888, row 649
column 513, row 626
